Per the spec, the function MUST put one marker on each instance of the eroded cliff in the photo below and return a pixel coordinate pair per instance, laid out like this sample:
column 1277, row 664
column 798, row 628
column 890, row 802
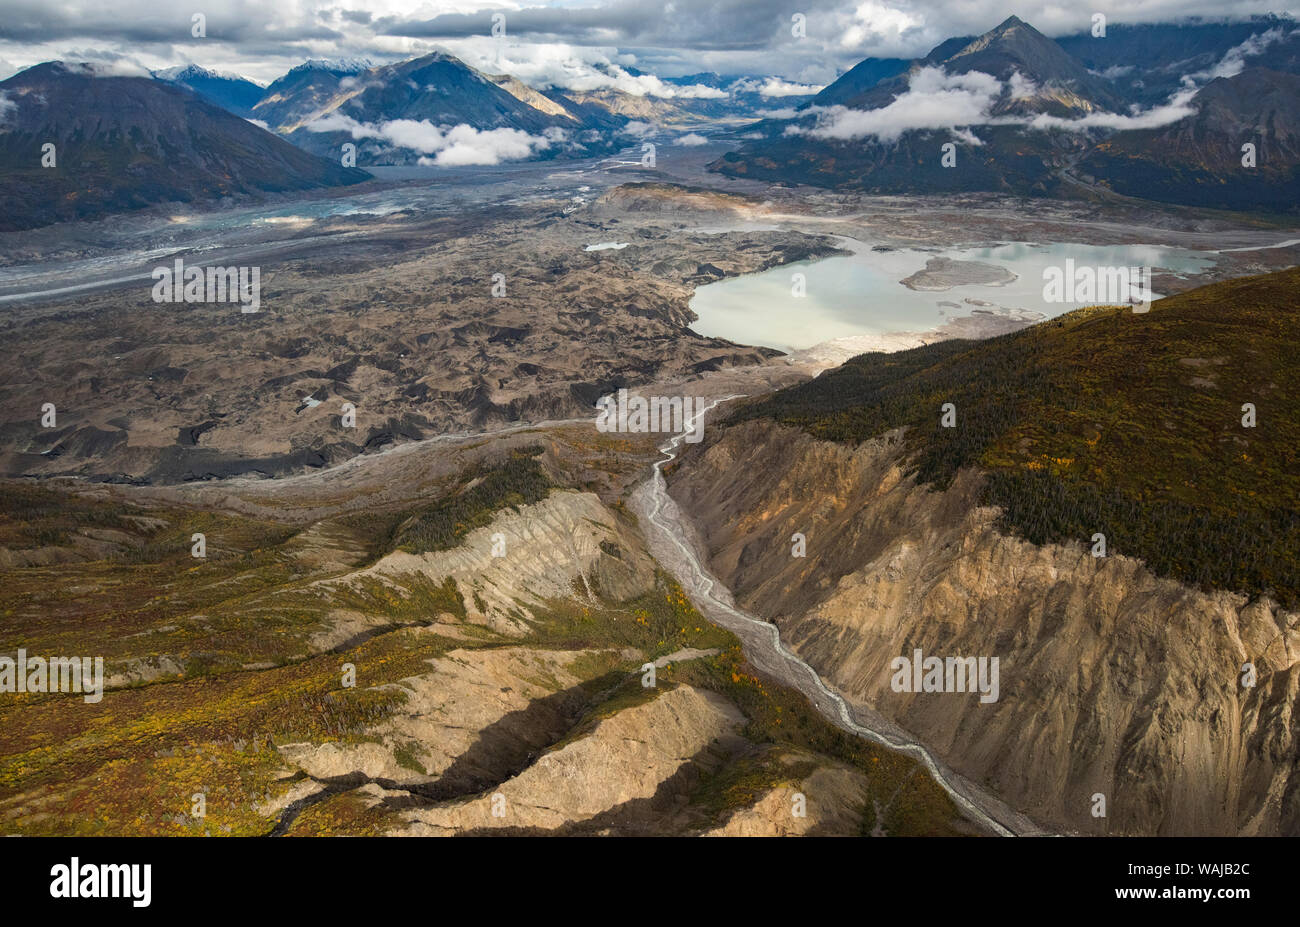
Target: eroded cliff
column 1113, row 681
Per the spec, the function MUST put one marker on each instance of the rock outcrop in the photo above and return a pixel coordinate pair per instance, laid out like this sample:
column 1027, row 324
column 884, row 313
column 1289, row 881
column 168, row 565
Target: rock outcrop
column 1113, row 682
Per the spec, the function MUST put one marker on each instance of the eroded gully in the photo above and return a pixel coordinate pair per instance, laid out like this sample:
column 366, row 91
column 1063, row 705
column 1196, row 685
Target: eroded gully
column 674, row 543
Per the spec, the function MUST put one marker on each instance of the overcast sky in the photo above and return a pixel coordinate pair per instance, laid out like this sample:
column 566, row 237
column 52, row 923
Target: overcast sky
column 545, row 42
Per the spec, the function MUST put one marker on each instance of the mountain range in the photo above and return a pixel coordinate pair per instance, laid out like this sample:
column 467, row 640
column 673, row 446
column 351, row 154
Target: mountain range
column 1199, row 160
column 1033, row 118
column 1162, row 112
column 320, row 110
column 123, row 143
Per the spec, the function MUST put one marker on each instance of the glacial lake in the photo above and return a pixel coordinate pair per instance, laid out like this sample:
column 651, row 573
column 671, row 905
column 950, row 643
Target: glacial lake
column 860, row 294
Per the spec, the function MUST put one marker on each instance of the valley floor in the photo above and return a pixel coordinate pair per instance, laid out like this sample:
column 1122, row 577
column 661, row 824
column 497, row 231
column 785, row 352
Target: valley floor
column 443, row 622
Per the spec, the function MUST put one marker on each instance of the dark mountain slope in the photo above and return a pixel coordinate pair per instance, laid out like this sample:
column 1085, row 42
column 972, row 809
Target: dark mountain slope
column 304, row 91
column 125, row 143
column 1195, row 161
column 1198, row 160
column 1015, row 47
column 1009, row 159
column 231, row 93
column 1148, row 61
column 858, row 79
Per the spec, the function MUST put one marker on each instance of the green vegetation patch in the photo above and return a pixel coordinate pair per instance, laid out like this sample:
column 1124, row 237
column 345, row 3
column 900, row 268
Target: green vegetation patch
column 913, row 804
column 65, row 764
column 779, row 720
column 657, row 623
column 517, row 480
column 1105, row 420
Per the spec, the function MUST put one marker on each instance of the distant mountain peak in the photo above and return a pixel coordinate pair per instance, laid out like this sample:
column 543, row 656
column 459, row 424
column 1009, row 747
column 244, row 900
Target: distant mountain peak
column 1062, row 84
column 184, row 72
column 1012, row 36
column 337, row 65
column 231, row 92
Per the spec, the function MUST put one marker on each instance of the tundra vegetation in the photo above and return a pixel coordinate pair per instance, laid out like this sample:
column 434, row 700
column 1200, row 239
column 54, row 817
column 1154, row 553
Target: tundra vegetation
column 1107, row 421
column 243, row 676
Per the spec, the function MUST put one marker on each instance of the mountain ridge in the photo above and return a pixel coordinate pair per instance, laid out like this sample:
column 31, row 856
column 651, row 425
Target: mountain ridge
column 125, row 143
column 1036, row 121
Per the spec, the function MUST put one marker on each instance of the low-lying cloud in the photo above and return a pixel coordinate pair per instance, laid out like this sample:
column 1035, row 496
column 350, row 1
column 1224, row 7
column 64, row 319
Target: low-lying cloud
column 639, row 128
column 444, row 146
column 547, row 66
column 1179, row 107
column 115, row 66
column 1234, row 61
column 774, row 87
column 933, row 100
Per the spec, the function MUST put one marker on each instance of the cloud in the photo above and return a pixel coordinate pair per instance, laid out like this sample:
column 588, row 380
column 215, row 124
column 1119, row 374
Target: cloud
column 691, row 140
column 545, row 66
column 654, row 87
column 956, row 102
column 1022, row 88
column 120, row 69
column 337, row 122
column 874, row 22
column 715, row 24
column 106, row 64
column 1178, row 107
column 639, row 128
column 933, row 100
column 1114, row 71
column 455, row 146
column 1180, row 104
column 1234, row 61
column 7, row 106
column 466, row 145
column 732, row 37
column 775, row 87
column 884, row 28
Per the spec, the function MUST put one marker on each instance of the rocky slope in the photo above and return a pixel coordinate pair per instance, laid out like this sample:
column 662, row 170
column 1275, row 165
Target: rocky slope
column 1033, row 75
column 309, row 677
column 229, row 91
column 398, row 113
column 1152, row 664
column 1113, row 681
column 1199, row 159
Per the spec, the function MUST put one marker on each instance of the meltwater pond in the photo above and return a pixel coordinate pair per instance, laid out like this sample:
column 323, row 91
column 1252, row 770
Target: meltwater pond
column 861, row 294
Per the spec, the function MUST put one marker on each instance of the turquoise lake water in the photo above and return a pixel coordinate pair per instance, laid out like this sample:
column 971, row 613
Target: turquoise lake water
column 861, row 294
